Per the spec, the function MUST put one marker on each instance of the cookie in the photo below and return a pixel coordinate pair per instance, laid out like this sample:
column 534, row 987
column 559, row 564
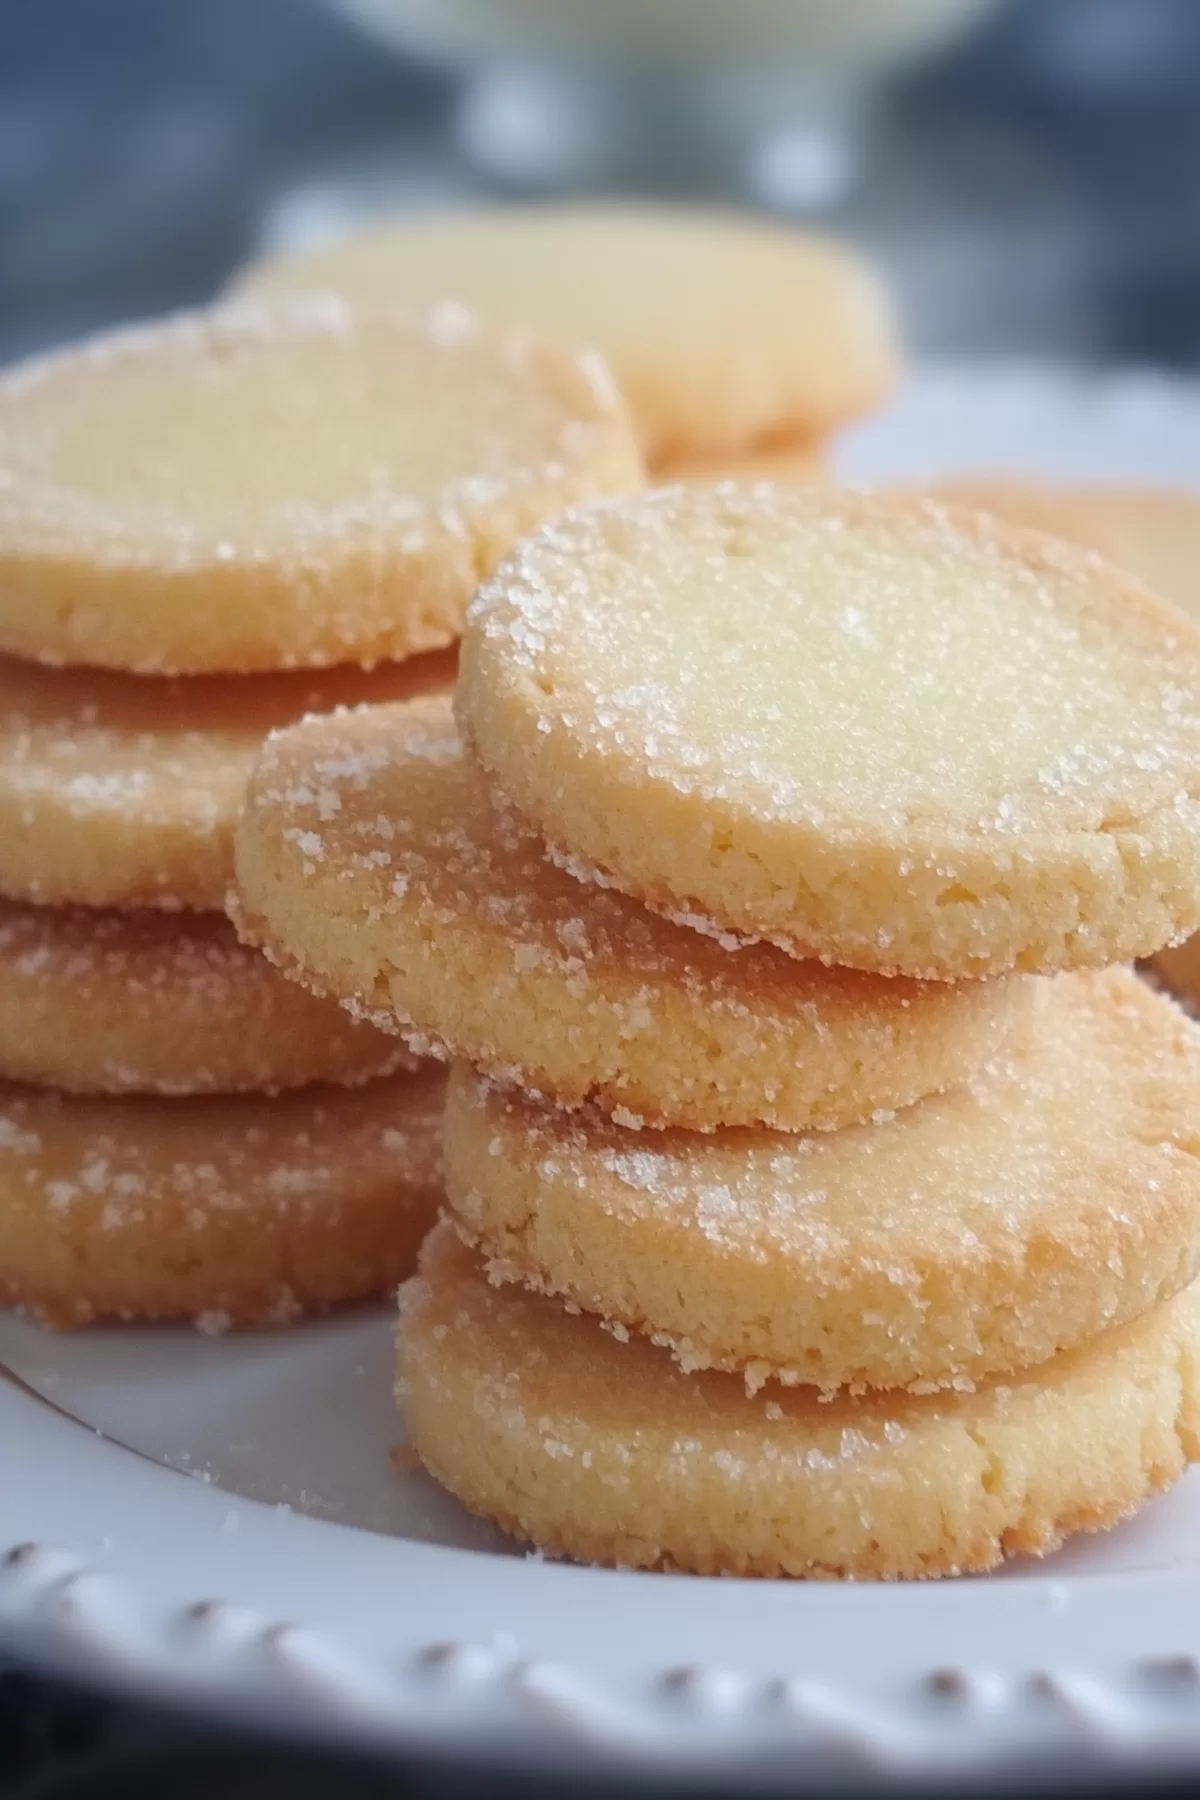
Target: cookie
column 803, row 460
column 606, row 1452
column 373, row 863
column 725, row 332
column 140, row 1003
column 287, row 485
column 874, row 729
column 124, row 790
column 228, row 1210
column 1153, row 532
column 969, row 1235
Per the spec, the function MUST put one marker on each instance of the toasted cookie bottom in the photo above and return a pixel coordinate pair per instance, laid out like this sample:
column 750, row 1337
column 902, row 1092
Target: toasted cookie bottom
column 229, row 1211
column 605, row 1452
column 791, row 459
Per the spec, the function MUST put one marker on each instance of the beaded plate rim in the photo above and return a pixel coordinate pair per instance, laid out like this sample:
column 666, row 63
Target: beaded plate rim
column 116, row 1570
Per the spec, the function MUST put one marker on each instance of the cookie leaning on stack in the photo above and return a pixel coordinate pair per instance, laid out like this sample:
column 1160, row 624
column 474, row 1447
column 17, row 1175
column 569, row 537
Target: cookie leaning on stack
column 200, row 506
column 958, row 1202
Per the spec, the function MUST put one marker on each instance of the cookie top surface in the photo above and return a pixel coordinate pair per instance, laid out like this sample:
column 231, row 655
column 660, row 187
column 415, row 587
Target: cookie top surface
column 1154, row 532
column 143, row 1002
column 971, row 1234
column 604, row 1452
column 722, row 330
column 884, row 732
column 246, row 1207
column 273, row 485
column 122, row 790
column 373, row 861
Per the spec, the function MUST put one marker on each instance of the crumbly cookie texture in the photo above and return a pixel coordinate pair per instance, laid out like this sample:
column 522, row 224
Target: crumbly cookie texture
column 724, row 332
column 373, row 863
column 123, row 790
column 605, row 1452
column 276, row 485
column 104, row 1002
column 1055, row 1196
column 225, row 1210
column 874, row 729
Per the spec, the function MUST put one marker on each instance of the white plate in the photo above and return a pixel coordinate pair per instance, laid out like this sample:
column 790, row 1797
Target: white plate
column 297, row 1573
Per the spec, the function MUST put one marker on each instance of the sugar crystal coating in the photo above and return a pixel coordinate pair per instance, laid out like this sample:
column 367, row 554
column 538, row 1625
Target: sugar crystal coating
column 606, row 1452
column 119, row 790
column 1152, row 532
column 373, row 862
column 141, row 1002
column 251, row 1210
column 1053, row 1197
column 875, row 729
column 275, row 485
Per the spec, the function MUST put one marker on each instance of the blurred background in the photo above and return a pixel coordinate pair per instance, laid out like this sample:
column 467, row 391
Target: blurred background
column 1027, row 170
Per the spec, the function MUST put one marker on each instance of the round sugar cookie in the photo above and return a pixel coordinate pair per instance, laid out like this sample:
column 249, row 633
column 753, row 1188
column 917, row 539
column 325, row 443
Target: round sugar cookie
column 1055, row 1196
column 141, row 1003
column 724, row 331
column 227, row 1210
column 1153, row 532
column 874, row 729
column 124, row 790
column 276, row 486
column 373, row 863
column 607, row 1453
column 804, row 460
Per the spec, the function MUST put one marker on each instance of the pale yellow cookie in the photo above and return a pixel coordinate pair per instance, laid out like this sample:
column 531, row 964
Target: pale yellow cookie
column 803, row 460
column 228, row 1210
column 874, row 729
column 276, row 486
column 724, row 331
column 373, row 863
column 141, row 1003
column 606, row 1452
column 124, row 790
column 971, row 1234
column 1154, row 532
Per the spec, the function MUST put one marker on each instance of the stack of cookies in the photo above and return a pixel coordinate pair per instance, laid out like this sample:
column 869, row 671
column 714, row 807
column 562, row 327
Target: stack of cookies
column 825, row 1195
column 210, row 527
